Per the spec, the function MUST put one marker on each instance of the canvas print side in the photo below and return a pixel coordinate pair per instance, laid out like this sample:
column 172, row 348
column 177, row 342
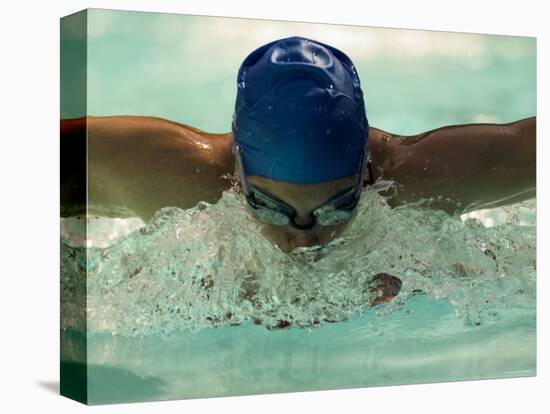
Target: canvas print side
column 73, row 177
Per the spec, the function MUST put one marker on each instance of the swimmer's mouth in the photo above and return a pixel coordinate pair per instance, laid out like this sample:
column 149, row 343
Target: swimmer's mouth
column 303, row 241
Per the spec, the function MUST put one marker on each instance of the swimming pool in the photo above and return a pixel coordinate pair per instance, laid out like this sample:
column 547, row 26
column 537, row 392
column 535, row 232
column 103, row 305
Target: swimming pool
column 198, row 303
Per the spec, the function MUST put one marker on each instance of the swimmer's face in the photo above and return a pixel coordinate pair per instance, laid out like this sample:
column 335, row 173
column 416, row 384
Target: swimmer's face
column 304, row 198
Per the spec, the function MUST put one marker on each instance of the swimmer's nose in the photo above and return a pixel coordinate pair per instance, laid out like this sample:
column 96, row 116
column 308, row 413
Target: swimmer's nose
column 304, row 220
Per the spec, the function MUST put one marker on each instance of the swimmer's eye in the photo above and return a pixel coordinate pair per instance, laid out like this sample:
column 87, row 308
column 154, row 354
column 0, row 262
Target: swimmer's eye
column 265, row 200
column 333, row 217
column 268, row 209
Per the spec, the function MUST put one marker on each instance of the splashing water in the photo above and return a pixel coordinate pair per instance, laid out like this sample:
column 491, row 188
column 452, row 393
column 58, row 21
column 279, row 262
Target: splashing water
column 211, row 266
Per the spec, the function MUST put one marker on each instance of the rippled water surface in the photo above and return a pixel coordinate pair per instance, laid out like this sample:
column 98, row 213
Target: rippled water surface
column 201, row 292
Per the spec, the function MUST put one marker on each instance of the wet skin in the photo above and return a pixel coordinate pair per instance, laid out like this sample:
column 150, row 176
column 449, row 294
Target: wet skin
column 137, row 165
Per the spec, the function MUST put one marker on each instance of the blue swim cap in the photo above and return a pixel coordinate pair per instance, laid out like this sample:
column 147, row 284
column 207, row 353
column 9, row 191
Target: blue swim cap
column 299, row 113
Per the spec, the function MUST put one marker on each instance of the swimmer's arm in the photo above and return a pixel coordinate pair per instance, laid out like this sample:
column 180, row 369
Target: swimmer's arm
column 460, row 167
column 136, row 165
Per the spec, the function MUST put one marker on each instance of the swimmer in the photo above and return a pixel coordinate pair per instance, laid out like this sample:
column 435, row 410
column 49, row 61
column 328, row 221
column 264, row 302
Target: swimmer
column 302, row 148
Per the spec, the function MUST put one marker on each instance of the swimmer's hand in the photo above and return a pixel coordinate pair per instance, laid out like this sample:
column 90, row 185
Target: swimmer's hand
column 459, row 168
column 382, row 286
column 137, row 165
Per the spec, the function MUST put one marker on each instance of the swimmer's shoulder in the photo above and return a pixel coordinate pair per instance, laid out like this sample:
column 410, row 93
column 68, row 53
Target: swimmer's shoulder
column 210, row 147
column 131, row 158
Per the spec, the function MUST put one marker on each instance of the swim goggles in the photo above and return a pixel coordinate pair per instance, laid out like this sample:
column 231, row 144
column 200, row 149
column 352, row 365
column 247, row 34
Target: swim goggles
column 270, row 210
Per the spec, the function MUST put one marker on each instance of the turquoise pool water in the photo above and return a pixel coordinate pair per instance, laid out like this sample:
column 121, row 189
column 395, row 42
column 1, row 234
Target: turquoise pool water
column 157, row 64
column 421, row 342
column 188, row 306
